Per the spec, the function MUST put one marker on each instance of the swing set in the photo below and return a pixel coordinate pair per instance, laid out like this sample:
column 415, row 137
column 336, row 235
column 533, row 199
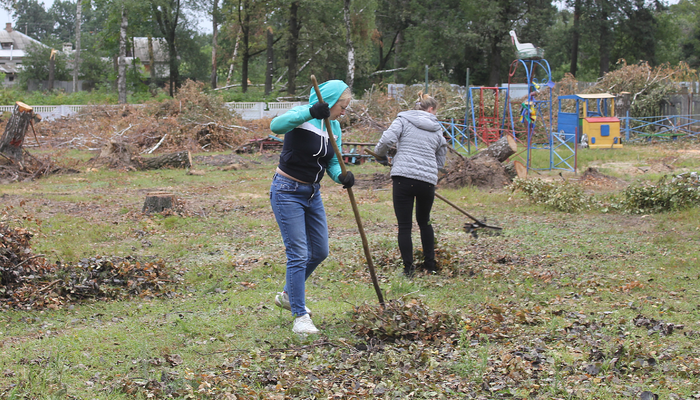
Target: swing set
column 489, row 122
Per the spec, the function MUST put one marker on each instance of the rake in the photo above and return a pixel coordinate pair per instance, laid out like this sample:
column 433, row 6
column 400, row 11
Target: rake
column 469, row 227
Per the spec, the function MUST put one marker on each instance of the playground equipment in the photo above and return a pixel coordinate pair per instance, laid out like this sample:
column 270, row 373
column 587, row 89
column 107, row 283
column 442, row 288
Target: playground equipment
column 488, row 120
column 537, row 116
column 526, row 50
column 594, row 116
column 536, row 111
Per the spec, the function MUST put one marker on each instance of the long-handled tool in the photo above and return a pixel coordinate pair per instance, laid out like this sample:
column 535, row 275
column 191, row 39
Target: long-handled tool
column 469, row 227
column 355, row 210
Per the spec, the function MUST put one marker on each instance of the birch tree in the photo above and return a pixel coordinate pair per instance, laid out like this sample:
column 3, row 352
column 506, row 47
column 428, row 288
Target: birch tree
column 214, row 44
column 350, row 78
column 76, row 59
column 233, row 57
column 121, row 63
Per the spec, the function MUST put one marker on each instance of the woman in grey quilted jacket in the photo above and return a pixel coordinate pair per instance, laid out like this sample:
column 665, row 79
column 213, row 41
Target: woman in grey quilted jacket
column 420, row 152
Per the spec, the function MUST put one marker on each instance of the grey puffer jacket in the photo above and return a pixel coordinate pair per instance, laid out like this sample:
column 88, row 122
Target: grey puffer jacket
column 420, row 147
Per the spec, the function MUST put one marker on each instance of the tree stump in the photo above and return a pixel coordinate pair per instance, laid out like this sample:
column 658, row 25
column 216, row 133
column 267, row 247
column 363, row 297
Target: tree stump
column 158, row 202
column 117, row 154
column 15, row 130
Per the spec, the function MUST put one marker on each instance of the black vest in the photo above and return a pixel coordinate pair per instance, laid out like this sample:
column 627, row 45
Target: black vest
column 305, row 155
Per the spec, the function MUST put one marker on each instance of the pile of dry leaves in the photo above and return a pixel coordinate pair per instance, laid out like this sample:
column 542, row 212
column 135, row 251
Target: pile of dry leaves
column 403, row 319
column 29, row 282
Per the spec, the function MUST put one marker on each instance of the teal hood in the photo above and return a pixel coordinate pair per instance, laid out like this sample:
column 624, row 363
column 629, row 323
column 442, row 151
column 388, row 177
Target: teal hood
column 330, row 91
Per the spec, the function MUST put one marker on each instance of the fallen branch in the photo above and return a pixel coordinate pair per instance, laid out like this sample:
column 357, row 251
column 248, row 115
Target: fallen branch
column 386, row 71
column 28, row 259
column 158, row 144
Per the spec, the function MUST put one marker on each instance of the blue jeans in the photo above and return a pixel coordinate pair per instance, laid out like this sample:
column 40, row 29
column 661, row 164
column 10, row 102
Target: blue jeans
column 301, row 217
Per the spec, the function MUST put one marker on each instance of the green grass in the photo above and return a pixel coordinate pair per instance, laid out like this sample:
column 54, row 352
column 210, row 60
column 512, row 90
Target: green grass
column 555, row 286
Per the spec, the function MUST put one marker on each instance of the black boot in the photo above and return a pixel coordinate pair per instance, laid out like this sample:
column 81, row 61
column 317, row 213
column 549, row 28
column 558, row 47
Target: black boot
column 409, row 271
column 430, row 266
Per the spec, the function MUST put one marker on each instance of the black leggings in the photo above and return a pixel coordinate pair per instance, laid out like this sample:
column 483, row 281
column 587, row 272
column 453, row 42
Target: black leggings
column 405, row 190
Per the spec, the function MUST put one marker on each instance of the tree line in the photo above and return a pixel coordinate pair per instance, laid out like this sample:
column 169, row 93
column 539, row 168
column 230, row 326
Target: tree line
column 277, row 43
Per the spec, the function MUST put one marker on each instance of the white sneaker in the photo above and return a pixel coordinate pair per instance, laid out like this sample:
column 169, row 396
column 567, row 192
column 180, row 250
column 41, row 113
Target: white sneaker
column 304, row 325
column 282, row 301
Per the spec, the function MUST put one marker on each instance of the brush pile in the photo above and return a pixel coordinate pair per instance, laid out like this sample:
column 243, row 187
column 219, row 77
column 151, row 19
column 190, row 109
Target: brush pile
column 193, row 121
column 33, row 167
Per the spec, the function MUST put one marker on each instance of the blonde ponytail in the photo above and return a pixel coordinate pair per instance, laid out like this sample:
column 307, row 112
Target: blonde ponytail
column 425, row 102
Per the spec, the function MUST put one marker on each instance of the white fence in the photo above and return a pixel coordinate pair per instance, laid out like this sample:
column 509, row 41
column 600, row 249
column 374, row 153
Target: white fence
column 252, row 110
column 261, row 110
column 50, row 112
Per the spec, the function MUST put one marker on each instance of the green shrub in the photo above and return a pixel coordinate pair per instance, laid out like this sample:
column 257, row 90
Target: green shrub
column 682, row 191
column 566, row 196
column 668, row 194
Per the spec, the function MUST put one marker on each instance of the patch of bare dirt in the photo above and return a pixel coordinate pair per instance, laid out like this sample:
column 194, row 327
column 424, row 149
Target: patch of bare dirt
column 593, row 178
column 219, row 160
column 659, row 166
column 377, row 180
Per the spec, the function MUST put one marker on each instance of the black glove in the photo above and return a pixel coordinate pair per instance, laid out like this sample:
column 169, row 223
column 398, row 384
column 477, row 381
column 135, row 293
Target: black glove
column 347, row 179
column 384, row 160
column 320, row 110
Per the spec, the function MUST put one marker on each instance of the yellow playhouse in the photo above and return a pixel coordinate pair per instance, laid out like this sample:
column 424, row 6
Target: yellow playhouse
column 599, row 122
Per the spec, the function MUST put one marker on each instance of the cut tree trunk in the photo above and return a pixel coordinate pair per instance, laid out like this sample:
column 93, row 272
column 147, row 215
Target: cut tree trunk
column 181, row 159
column 516, row 168
column 484, row 170
column 520, row 170
column 157, row 202
column 500, row 149
column 15, row 130
column 121, row 155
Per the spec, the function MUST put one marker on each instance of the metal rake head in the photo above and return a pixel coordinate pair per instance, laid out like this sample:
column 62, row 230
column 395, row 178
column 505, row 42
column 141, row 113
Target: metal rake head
column 474, row 229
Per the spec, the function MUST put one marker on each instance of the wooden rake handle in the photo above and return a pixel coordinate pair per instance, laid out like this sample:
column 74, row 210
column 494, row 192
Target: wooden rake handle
column 355, row 210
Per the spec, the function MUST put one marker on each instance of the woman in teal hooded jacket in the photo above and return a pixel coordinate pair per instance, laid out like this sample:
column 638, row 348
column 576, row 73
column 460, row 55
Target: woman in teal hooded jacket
column 295, row 191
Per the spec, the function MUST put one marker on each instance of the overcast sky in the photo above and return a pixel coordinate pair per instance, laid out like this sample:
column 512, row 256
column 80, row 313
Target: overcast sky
column 6, row 17
column 205, row 26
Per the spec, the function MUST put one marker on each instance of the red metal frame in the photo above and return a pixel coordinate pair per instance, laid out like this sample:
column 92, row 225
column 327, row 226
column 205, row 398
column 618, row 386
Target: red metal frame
column 488, row 125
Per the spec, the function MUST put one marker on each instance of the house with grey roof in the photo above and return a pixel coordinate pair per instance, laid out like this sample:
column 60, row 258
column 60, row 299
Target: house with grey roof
column 13, row 44
column 160, row 56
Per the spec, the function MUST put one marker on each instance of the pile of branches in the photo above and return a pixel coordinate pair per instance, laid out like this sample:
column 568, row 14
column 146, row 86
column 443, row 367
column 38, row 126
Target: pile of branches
column 29, row 169
column 366, row 120
column 647, row 85
column 29, row 282
column 194, row 120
